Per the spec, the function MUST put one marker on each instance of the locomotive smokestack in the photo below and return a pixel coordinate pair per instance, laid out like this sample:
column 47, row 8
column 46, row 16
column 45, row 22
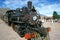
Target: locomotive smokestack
column 29, row 5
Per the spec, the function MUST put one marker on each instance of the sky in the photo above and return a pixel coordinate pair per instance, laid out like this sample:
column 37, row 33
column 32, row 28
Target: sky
column 45, row 7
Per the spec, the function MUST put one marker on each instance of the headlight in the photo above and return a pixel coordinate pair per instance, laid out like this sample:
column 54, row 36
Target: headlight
column 34, row 18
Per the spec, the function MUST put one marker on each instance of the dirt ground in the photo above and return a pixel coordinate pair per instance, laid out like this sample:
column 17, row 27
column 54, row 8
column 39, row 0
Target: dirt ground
column 55, row 30
column 7, row 33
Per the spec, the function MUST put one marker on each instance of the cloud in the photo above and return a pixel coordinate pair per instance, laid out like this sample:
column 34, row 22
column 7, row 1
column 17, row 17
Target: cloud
column 20, row 3
column 7, row 2
column 48, row 9
column 45, row 7
column 15, row 3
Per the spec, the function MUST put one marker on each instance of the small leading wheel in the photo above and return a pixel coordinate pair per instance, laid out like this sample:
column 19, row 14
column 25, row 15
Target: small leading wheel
column 15, row 28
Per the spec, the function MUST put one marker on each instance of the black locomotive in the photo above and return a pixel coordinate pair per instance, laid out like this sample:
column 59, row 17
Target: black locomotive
column 25, row 21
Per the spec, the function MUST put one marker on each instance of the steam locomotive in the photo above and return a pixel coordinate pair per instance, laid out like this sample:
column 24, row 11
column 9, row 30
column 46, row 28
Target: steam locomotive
column 25, row 21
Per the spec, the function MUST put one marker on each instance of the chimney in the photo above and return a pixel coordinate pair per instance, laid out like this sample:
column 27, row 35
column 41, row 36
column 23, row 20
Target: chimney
column 29, row 5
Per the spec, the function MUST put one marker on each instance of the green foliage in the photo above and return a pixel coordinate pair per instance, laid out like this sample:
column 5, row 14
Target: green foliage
column 55, row 15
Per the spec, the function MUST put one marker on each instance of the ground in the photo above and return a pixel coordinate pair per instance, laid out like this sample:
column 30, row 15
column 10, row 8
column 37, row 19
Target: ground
column 7, row 33
column 55, row 30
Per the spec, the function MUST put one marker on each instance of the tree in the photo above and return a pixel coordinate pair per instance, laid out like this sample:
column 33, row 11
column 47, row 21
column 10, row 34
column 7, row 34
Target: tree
column 55, row 15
